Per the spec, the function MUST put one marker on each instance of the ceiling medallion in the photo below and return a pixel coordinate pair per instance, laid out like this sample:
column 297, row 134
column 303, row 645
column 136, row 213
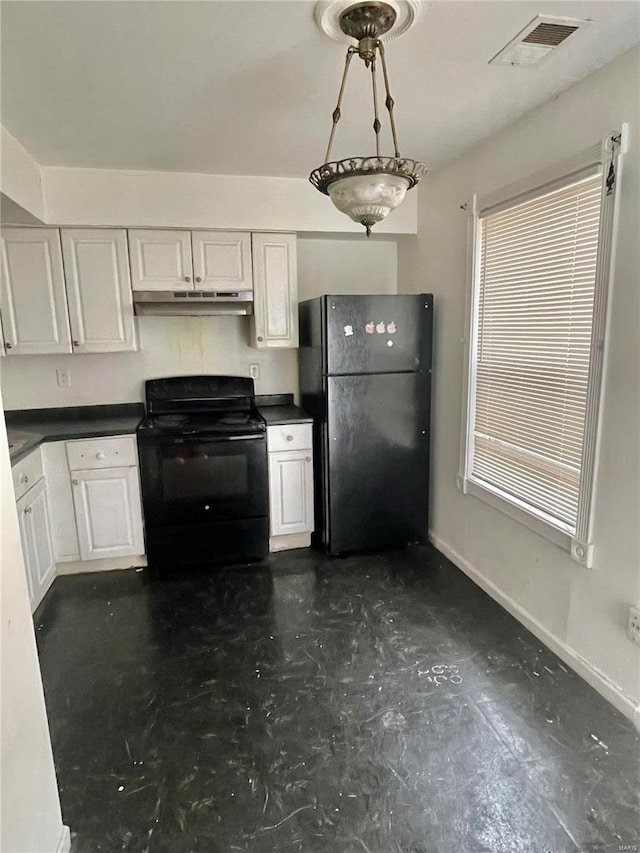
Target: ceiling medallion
column 367, row 188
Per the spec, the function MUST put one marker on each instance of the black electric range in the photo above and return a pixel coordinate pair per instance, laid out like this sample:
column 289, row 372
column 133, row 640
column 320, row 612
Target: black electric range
column 203, row 468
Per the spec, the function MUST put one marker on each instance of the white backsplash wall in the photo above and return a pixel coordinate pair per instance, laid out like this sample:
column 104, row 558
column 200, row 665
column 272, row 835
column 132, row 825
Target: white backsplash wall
column 175, row 346
column 169, row 346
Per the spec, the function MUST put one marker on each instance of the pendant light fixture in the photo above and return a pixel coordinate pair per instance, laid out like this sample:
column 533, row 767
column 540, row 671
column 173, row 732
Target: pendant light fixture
column 368, row 188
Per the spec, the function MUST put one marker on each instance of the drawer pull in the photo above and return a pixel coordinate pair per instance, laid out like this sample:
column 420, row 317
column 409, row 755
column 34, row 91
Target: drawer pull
column 28, row 510
column 307, row 459
column 24, row 478
column 289, row 438
column 100, row 455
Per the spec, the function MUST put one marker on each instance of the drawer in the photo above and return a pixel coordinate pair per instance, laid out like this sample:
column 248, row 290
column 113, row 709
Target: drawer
column 88, row 453
column 289, row 437
column 27, row 472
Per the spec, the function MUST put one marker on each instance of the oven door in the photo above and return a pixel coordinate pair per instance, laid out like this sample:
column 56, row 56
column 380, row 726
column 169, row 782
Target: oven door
column 196, row 479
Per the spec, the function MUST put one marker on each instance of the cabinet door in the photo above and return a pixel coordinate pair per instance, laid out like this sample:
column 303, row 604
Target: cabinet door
column 32, row 293
column 35, row 532
column 291, row 492
column 98, row 289
column 222, row 260
column 160, row 260
column 275, row 282
column 108, row 512
column 64, row 534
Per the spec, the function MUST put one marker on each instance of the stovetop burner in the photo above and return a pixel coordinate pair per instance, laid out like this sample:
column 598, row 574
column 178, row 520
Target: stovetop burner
column 218, row 406
column 235, row 419
column 200, row 423
column 170, row 421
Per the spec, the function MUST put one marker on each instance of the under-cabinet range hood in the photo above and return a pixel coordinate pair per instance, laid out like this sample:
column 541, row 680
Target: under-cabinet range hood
column 195, row 302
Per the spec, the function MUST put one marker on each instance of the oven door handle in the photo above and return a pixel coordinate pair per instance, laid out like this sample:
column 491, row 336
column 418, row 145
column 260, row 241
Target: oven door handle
column 190, row 439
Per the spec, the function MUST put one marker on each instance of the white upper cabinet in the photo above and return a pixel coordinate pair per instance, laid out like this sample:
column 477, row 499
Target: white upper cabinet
column 32, row 300
column 98, row 289
column 275, row 280
column 160, row 260
column 222, row 260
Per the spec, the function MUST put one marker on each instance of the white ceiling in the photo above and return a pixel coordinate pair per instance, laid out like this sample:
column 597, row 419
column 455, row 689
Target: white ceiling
column 248, row 86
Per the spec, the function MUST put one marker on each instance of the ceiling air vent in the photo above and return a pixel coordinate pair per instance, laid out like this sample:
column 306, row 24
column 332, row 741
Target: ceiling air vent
column 536, row 41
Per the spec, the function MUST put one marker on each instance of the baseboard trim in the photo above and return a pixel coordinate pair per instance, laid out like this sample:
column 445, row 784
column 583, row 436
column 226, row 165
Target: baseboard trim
column 598, row 680
column 64, row 845
column 108, row 564
column 289, row 541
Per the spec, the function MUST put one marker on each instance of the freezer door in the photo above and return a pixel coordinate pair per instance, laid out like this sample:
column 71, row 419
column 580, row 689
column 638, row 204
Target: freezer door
column 378, row 334
column 377, row 461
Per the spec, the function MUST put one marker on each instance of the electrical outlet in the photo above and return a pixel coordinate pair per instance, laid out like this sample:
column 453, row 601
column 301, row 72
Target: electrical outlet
column 254, row 371
column 64, row 378
column 633, row 628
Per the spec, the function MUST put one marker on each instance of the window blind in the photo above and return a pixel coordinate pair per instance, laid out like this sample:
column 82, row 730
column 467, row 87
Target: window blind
column 537, row 275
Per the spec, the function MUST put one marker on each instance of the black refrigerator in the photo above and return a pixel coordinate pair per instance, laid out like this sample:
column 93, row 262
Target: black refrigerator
column 365, row 377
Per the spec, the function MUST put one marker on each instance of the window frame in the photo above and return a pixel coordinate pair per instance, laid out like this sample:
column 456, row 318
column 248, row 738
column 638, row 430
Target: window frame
column 579, row 544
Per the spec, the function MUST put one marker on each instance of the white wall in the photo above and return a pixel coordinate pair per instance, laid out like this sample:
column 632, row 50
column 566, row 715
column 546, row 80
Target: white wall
column 31, row 821
column 20, row 175
column 173, row 346
column 184, row 200
column 346, row 265
column 580, row 612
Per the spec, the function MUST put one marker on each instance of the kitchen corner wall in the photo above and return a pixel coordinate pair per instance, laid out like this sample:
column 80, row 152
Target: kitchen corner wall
column 173, row 346
column 30, row 817
column 580, row 613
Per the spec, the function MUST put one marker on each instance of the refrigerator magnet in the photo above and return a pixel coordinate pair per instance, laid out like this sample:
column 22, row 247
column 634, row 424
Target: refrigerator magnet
column 348, row 331
column 381, row 328
column 370, row 328
column 391, row 328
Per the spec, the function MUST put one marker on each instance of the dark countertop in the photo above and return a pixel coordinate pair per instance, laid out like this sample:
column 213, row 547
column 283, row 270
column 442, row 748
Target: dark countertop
column 274, row 415
column 27, row 428
column 280, row 409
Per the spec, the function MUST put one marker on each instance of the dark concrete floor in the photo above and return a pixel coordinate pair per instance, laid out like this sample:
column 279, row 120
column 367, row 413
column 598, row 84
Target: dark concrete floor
column 378, row 704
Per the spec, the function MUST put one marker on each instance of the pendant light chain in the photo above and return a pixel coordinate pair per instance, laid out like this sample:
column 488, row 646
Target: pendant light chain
column 367, row 188
column 337, row 112
column 389, row 102
column 376, row 119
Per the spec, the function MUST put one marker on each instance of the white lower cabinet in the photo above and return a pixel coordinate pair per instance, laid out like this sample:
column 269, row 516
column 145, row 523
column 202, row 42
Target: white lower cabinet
column 35, row 533
column 290, row 486
column 108, row 517
column 106, row 497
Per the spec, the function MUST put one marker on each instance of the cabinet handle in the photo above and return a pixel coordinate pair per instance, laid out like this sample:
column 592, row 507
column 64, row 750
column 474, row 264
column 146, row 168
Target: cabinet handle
column 307, row 459
column 100, row 455
column 187, row 278
column 28, row 510
column 76, row 482
column 8, row 345
column 260, row 338
column 289, row 438
column 24, row 479
column 76, row 343
column 198, row 279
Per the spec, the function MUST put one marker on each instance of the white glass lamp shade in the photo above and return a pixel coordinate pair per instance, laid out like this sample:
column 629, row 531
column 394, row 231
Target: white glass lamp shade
column 368, row 198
